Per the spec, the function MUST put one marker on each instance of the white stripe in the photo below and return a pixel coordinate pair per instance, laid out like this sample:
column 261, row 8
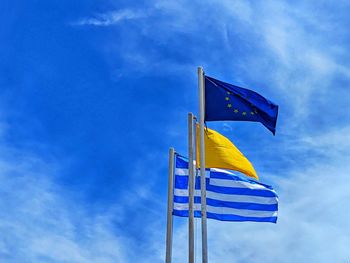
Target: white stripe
column 181, row 171
column 236, row 184
column 184, row 172
column 182, row 192
column 230, row 198
column 221, row 171
column 227, row 210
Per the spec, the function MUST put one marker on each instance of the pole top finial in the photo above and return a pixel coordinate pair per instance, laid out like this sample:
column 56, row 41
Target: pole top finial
column 200, row 70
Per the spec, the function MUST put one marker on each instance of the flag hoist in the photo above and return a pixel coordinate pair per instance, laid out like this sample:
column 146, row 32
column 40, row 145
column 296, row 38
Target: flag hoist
column 191, row 176
column 202, row 165
column 169, row 225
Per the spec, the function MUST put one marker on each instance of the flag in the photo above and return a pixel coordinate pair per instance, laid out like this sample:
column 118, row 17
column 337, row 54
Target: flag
column 224, row 102
column 229, row 197
column 220, row 152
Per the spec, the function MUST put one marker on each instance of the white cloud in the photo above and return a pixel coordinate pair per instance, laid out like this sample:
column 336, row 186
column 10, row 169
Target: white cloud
column 295, row 42
column 40, row 222
column 334, row 143
column 110, row 18
column 311, row 225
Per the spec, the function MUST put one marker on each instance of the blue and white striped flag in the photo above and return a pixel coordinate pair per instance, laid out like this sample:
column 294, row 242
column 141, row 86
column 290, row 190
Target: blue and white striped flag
column 229, row 197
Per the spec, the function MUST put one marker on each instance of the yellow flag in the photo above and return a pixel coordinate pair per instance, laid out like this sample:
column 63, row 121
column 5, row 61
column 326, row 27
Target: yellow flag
column 220, row 152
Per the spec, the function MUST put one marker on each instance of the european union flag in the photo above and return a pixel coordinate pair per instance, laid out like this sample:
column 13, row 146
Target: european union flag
column 224, row 102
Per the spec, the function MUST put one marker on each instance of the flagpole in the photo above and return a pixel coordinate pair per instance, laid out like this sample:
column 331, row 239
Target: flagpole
column 169, row 226
column 202, row 165
column 190, row 190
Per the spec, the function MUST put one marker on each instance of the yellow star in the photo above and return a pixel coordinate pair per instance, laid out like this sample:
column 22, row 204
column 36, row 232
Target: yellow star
column 244, row 113
column 229, row 105
column 228, row 93
column 235, row 111
column 252, row 113
column 227, row 98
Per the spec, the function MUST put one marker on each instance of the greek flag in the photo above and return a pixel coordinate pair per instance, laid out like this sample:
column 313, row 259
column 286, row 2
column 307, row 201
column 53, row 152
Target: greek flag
column 229, row 197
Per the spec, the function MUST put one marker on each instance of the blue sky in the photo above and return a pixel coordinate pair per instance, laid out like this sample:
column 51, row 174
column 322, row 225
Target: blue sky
column 93, row 93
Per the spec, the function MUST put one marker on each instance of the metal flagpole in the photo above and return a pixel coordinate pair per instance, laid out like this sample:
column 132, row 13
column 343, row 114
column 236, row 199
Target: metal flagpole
column 202, row 165
column 169, row 225
column 190, row 190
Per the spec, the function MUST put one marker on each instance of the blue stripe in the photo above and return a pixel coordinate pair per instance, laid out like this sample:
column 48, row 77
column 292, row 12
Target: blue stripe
column 219, row 175
column 197, row 183
column 237, row 205
column 181, row 182
column 241, row 218
column 197, row 214
column 180, row 163
column 242, row 205
column 184, row 213
column 184, row 199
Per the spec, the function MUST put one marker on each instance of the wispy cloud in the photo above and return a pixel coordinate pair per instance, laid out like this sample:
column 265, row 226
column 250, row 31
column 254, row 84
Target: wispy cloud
column 292, row 39
column 42, row 221
column 311, row 218
column 110, row 18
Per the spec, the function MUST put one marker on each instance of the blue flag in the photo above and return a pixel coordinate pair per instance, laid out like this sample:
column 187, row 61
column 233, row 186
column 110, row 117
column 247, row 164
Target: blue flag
column 229, row 197
column 224, row 102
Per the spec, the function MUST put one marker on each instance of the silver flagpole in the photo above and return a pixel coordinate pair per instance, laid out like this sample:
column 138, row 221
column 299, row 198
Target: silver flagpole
column 169, row 225
column 202, row 165
column 190, row 190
